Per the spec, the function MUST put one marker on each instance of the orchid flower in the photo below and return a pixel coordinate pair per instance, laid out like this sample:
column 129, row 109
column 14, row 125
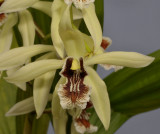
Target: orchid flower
column 79, row 83
column 86, row 12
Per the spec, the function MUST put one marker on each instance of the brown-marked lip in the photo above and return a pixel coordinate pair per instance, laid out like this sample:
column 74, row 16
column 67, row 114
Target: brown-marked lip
column 74, row 91
column 3, row 17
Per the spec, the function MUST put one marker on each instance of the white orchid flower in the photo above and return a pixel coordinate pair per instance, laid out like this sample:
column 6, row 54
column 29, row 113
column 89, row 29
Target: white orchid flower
column 79, row 83
column 87, row 13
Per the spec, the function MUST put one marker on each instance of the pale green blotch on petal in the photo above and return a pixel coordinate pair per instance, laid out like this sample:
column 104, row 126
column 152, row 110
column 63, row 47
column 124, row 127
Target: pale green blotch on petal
column 99, row 96
column 18, row 56
column 34, row 70
column 118, row 58
column 44, row 6
column 93, row 25
column 59, row 114
column 24, row 107
column 26, row 27
column 72, row 38
column 6, row 34
column 58, row 8
column 9, row 6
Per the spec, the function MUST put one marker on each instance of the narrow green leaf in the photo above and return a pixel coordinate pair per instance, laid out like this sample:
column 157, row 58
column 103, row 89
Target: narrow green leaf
column 117, row 119
column 40, row 126
column 7, row 99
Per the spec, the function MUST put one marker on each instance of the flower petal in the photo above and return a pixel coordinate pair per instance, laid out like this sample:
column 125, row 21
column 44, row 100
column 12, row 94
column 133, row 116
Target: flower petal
column 18, row 56
column 26, row 27
column 59, row 114
column 41, row 88
column 9, row 6
column 35, row 69
column 6, row 33
column 99, row 96
column 44, row 6
column 128, row 59
column 58, row 8
column 72, row 38
column 93, row 25
column 24, row 107
column 21, row 85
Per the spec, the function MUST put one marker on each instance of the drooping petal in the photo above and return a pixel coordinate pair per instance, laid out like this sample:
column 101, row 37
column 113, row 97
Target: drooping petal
column 118, row 58
column 72, row 38
column 21, row 85
column 44, row 6
column 24, row 107
column 59, row 114
column 41, row 88
column 99, row 96
column 26, row 27
column 9, row 6
column 18, row 56
column 80, row 4
column 35, row 69
column 6, row 33
column 93, row 25
column 74, row 93
column 58, row 8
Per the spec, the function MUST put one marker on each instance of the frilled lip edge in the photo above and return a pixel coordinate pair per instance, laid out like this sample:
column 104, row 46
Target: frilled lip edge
column 74, row 93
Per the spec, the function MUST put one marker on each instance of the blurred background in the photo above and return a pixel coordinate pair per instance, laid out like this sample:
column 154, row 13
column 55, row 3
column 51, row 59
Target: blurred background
column 133, row 25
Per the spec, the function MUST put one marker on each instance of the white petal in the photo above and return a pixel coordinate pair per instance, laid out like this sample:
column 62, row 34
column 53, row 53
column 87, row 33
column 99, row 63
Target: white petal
column 24, row 107
column 27, row 28
column 35, row 69
column 93, row 25
column 9, row 6
column 59, row 114
column 44, row 6
column 58, row 8
column 99, row 96
column 128, row 59
column 18, row 56
column 6, row 33
column 41, row 88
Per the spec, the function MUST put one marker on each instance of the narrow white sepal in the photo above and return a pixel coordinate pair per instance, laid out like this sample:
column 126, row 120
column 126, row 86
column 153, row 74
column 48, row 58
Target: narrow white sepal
column 24, row 107
column 18, row 56
column 44, row 6
column 41, row 88
column 93, row 25
column 9, row 6
column 26, row 27
column 58, row 8
column 34, row 70
column 6, row 34
column 99, row 96
column 118, row 58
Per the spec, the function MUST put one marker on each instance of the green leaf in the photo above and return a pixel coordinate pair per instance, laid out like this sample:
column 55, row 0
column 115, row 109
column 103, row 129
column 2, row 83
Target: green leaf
column 40, row 126
column 134, row 91
column 7, row 99
column 117, row 119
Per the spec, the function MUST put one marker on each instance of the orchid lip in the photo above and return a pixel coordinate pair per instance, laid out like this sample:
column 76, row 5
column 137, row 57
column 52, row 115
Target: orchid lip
column 3, row 18
column 74, row 93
